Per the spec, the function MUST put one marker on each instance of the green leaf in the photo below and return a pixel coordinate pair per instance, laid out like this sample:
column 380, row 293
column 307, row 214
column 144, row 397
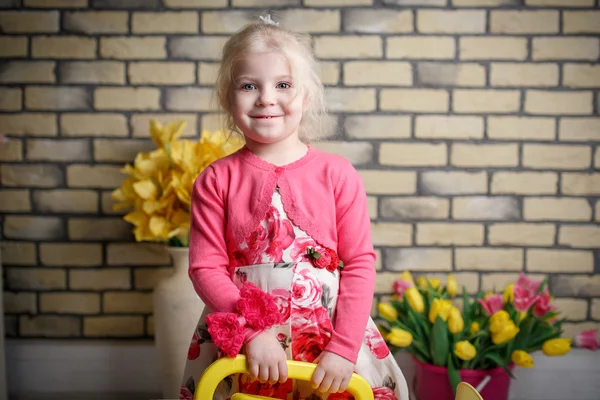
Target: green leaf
column 542, row 285
column 439, row 344
column 498, row 361
column 453, row 374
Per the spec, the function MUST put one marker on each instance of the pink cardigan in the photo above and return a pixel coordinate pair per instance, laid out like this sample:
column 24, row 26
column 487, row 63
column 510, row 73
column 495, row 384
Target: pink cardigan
column 322, row 194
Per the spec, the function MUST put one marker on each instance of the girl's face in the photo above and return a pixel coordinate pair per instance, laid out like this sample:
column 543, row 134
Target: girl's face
column 266, row 107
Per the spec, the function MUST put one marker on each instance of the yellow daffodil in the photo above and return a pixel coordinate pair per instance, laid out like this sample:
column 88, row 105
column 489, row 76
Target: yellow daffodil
column 439, row 308
column 522, row 359
column 556, row 347
column 509, row 295
column 508, row 332
column 399, row 337
column 474, row 327
column 465, row 350
column 387, row 311
column 415, row 300
column 451, row 285
column 157, row 191
column 455, row 321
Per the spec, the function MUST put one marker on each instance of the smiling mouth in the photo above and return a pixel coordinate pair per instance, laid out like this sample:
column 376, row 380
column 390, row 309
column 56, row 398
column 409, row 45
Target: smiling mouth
column 265, row 116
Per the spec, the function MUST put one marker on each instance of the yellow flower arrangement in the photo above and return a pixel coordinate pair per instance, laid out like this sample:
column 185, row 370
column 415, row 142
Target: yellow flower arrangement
column 494, row 329
column 158, row 190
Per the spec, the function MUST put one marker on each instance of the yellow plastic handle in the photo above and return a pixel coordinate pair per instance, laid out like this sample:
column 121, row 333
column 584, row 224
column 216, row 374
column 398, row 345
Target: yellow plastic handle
column 223, row 367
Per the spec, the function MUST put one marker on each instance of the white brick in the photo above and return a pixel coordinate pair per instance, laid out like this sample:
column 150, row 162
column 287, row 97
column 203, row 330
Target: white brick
column 524, row 75
column 415, row 100
column 448, row 127
column 570, row 48
column 377, row 126
column 420, row 47
column 530, row 21
column 579, row 129
column 549, row 102
column 492, row 48
column 450, row 21
column 519, row 128
column 486, row 101
column 378, row 21
column 581, row 21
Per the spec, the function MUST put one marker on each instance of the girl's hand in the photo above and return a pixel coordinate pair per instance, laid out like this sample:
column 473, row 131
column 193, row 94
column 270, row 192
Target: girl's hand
column 266, row 358
column 333, row 373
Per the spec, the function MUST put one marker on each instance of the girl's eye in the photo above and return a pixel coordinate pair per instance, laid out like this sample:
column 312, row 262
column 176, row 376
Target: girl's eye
column 283, row 85
column 248, row 86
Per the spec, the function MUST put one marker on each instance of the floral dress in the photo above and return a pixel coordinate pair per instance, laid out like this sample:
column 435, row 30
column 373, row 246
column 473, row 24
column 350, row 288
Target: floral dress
column 274, row 258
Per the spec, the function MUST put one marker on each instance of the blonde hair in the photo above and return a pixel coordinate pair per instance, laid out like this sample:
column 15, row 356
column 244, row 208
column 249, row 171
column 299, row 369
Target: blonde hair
column 297, row 49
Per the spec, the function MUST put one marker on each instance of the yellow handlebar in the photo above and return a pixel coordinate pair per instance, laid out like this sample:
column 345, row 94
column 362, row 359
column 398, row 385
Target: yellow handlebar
column 220, row 369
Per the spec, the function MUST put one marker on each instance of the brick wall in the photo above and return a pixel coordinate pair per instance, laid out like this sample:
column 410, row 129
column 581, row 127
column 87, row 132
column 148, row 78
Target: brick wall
column 474, row 123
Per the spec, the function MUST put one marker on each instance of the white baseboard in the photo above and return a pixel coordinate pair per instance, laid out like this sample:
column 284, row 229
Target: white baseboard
column 50, row 369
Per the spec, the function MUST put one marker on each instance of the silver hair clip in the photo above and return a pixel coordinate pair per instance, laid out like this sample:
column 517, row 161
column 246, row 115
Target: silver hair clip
column 268, row 21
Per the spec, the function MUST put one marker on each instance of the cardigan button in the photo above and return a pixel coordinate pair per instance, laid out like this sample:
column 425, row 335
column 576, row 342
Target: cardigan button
column 279, row 170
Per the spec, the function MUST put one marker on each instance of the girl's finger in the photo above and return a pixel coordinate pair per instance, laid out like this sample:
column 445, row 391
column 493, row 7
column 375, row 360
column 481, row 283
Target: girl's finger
column 263, row 373
column 283, row 371
column 326, row 382
column 317, row 377
column 335, row 385
column 253, row 370
column 273, row 373
column 344, row 384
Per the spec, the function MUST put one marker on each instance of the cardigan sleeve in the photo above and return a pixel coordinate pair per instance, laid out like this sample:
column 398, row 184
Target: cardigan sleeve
column 357, row 280
column 208, row 248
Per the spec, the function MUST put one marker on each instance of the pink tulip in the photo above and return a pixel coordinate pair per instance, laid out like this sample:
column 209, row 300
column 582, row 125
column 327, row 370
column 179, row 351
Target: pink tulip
column 525, row 293
column 542, row 305
column 492, row 304
column 401, row 286
column 587, row 339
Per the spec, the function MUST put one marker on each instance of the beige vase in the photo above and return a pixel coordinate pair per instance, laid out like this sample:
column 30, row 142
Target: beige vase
column 177, row 309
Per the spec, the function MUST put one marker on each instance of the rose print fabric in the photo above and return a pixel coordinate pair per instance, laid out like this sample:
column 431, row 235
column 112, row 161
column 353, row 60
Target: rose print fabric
column 274, row 258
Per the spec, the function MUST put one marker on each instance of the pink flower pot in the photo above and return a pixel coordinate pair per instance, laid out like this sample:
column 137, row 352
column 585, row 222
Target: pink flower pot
column 431, row 382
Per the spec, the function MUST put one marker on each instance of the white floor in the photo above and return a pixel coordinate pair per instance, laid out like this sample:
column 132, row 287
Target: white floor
column 52, row 369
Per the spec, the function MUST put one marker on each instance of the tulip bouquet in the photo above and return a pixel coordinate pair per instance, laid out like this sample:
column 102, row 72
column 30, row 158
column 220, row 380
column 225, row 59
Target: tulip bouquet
column 158, row 189
column 495, row 329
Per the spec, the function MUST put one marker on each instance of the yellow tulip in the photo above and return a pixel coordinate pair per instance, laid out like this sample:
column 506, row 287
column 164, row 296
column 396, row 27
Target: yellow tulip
column 422, row 282
column 455, row 321
column 474, row 327
column 498, row 320
column 556, row 347
column 415, row 300
column 488, row 294
column 407, row 277
column 522, row 359
column 439, row 308
column 508, row 332
column 435, row 283
column 399, row 337
column 451, row 285
column 522, row 315
column 465, row 350
column 387, row 311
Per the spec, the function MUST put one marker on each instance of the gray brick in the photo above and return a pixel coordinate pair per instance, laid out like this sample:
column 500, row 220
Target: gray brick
column 123, row 150
column 415, row 208
column 57, row 98
column 133, row 4
column 50, row 326
column 35, row 279
column 99, row 229
column 448, row 182
column 416, row 2
column 38, row 175
column 450, row 74
column 418, row 259
column 92, row 72
column 575, row 285
column 27, row 72
column 58, row 150
column 196, row 48
column 34, row 228
column 66, row 201
column 376, row 21
column 486, row 208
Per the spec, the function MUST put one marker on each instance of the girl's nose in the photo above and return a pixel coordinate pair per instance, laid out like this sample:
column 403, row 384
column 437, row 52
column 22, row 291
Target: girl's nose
column 266, row 98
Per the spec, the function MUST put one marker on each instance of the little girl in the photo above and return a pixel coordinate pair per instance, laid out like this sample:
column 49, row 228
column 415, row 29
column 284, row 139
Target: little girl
column 280, row 242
